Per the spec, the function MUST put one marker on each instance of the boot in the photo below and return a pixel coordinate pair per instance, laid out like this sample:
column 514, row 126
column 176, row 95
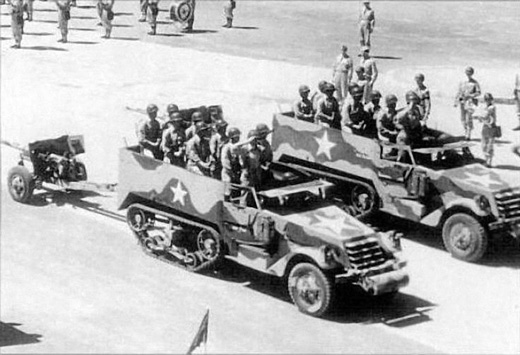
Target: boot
column 153, row 32
column 228, row 23
column 143, row 17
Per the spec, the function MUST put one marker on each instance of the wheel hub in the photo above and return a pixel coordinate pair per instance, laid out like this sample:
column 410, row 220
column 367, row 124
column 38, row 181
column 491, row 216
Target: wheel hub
column 309, row 291
column 462, row 237
column 18, row 185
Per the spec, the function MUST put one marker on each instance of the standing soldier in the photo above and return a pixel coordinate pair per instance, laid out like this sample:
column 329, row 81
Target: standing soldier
column 303, row 108
column 466, row 98
column 386, row 129
column 149, row 133
column 516, row 95
column 107, row 15
column 29, row 9
column 408, row 121
column 63, row 18
column 195, row 117
column 369, row 64
column 424, row 97
column 342, row 74
column 367, row 22
column 373, row 110
column 173, row 139
column 189, row 24
column 250, row 162
column 266, row 151
column 216, row 143
column 143, row 6
column 489, row 123
column 198, row 152
column 17, row 22
column 228, row 13
column 327, row 113
column 230, row 162
column 153, row 11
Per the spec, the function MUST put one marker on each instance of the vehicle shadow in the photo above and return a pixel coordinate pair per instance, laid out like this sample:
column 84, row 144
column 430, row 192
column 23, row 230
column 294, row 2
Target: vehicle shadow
column 45, row 48
column 352, row 304
column 507, row 167
column 10, row 336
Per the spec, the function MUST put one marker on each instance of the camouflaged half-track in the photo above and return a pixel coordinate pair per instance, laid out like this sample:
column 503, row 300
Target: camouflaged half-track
column 440, row 185
column 287, row 229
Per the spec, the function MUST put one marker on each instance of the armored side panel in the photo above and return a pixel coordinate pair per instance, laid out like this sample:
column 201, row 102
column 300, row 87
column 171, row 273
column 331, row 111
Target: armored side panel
column 146, row 179
column 324, row 148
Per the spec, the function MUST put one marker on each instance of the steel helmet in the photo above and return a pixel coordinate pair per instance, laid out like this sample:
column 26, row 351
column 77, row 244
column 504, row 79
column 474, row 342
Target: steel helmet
column 357, row 91
column 233, row 132
column 469, row 70
column 252, row 134
column 329, row 87
column 171, row 108
column 391, row 99
column 303, row 88
column 488, row 96
column 201, row 127
column 196, row 116
column 220, row 123
column 262, row 130
column 412, row 96
column 175, row 117
column 375, row 95
column 419, row 76
column 152, row 108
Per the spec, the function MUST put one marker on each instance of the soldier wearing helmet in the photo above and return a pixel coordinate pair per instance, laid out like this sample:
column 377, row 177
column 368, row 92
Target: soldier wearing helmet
column 424, row 95
column 250, row 162
column 303, row 109
column 367, row 22
column 342, row 73
column 171, row 108
column 373, row 110
column 149, row 133
column 216, row 143
column 198, row 153
column 466, row 99
column 327, row 113
column 386, row 129
column 408, row 121
column 369, row 64
column 195, row 117
column 230, row 161
column 361, row 82
column 489, row 124
column 355, row 117
column 263, row 144
column 173, row 140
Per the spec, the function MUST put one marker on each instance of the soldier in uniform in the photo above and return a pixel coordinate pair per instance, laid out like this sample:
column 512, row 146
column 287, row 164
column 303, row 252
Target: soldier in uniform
column 195, row 117
column 106, row 15
column 367, row 22
column 250, row 162
column 153, row 11
column 216, row 143
column 302, row 108
column 408, row 121
column 386, row 129
column 318, row 95
column 373, row 110
column 489, row 122
column 199, row 160
column 173, row 141
column 228, row 13
column 466, row 98
column 361, row 82
column 371, row 72
column 355, row 116
column 189, row 24
column 516, row 95
column 143, row 6
column 266, row 150
column 342, row 74
column 149, row 133
column 63, row 18
column 230, row 162
column 29, row 9
column 17, row 22
column 327, row 113
column 424, row 96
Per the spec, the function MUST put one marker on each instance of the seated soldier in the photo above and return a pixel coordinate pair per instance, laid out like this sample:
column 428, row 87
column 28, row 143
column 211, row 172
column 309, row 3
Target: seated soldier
column 198, row 152
column 173, row 140
column 217, row 141
column 149, row 133
column 251, row 175
column 386, row 129
column 408, row 121
column 195, row 117
column 302, row 108
column 355, row 116
column 327, row 113
column 230, row 162
column 373, row 110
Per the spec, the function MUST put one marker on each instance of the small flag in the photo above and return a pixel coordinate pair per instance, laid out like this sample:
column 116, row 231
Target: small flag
column 202, row 334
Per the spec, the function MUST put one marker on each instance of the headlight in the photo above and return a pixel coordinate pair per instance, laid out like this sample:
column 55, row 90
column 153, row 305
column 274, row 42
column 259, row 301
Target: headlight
column 391, row 241
column 483, row 203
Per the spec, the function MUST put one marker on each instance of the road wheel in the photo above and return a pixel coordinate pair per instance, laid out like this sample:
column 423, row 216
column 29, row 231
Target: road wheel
column 20, row 184
column 364, row 201
column 310, row 289
column 137, row 219
column 211, row 250
column 464, row 237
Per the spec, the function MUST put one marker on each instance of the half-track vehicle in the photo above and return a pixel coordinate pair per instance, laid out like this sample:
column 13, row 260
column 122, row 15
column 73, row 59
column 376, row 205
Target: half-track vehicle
column 286, row 229
column 54, row 162
column 439, row 185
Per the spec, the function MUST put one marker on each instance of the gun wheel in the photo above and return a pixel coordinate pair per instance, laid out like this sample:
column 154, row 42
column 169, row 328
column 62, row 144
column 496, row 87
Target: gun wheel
column 310, row 289
column 464, row 237
column 20, row 184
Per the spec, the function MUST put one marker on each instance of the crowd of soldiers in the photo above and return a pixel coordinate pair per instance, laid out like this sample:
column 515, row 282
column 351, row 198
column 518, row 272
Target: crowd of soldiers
column 208, row 146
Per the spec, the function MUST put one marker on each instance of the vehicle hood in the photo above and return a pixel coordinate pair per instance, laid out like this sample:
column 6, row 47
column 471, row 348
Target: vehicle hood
column 480, row 178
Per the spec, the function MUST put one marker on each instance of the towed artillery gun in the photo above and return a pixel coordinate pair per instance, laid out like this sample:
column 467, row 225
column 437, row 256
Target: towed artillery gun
column 54, row 162
column 286, row 229
column 439, row 185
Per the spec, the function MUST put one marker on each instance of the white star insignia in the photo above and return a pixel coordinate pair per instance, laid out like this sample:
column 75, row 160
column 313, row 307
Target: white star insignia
column 179, row 194
column 324, row 145
column 336, row 225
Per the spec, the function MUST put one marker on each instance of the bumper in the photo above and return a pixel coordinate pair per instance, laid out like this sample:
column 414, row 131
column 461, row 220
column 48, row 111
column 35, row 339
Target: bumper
column 511, row 226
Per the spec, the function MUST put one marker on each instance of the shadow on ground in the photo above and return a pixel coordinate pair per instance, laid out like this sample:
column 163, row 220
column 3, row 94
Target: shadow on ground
column 9, row 335
column 352, row 304
column 45, row 48
column 38, row 33
column 82, row 29
column 245, row 27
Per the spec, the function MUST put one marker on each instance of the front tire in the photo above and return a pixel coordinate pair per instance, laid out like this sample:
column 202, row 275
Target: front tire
column 20, row 184
column 465, row 237
column 310, row 288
